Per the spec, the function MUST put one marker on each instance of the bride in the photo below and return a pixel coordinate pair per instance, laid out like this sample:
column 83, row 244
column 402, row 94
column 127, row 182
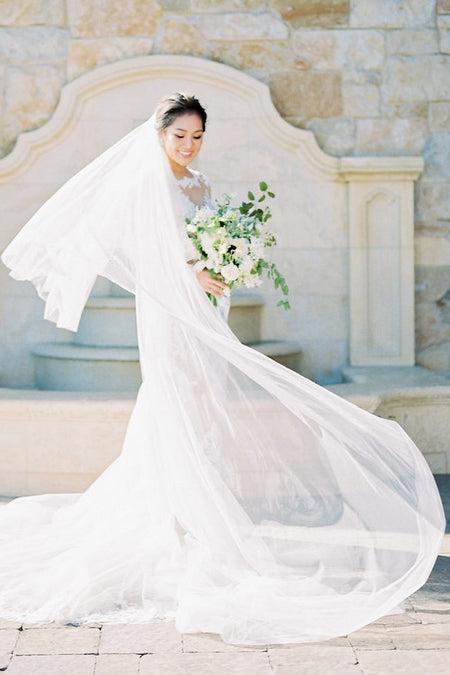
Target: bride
column 247, row 500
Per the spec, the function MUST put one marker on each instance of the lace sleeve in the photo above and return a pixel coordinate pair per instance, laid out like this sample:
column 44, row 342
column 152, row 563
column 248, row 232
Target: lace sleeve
column 205, row 183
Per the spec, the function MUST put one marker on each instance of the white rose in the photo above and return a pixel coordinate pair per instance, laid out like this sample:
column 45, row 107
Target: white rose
column 204, row 214
column 207, row 242
column 246, row 264
column 241, row 247
column 230, row 272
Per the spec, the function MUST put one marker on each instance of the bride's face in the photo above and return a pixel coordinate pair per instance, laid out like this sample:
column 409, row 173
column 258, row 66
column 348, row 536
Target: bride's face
column 182, row 140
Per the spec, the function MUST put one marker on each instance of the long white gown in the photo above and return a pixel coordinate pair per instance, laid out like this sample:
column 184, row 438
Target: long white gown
column 247, row 501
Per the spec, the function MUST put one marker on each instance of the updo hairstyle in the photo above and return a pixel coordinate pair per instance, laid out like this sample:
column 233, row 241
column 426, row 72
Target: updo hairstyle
column 174, row 105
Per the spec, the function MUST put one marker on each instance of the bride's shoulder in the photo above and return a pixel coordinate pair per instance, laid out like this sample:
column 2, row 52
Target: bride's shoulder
column 200, row 177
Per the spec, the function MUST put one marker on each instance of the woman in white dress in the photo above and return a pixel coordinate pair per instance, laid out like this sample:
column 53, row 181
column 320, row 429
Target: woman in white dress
column 247, row 500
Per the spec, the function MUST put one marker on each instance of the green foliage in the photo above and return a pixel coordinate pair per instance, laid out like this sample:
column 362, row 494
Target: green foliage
column 247, row 222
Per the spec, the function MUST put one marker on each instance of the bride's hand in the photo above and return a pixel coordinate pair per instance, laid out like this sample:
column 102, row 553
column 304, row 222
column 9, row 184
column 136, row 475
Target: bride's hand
column 209, row 284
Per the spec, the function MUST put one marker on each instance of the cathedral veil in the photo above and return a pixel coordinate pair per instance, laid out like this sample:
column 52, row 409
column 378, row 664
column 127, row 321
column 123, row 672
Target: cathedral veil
column 247, row 500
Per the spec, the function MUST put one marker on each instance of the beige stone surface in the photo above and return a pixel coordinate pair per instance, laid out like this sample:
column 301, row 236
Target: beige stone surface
column 429, row 617
column 117, row 664
column 432, row 636
column 91, row 18
column 443, row 6
column 180, row 35
column 432, row 251
column 315, row 655
column 33, row 93
column 371, row 639
column 360, row 100
column 437, row 461
column 175, row 5
column 403, row 663
column 8, row 640
column 432, row 330
column 437, row 156
column 225, row 5
column 313, row 13
column 381, row 296
column 307, row 94
column 425, row 419
column 439, row 116
column 34, row 43
column 5, row 658
column 414, row 109
column 211, row 642
column 393, row 14
column 436, row 356
column 157, row 637
column 73, row 664
column 431, row 282
column 412, row 42
column 394, row 136
column 241, row 26
column 85, row 54
column 255, row 57
column 305, row 669
column 5, row 623
column 340, row 49
column 64, row 640
column 32, row 12
column 335, row 136
column 443, row 24
column 252, row 663
column 415, row 78
column 433, row 201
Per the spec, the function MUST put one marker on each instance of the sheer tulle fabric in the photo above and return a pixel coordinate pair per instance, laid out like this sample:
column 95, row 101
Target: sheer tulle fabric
column 247, row 500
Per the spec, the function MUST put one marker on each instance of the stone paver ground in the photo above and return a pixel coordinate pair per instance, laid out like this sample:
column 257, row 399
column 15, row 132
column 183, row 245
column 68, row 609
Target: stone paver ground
column 414, row 643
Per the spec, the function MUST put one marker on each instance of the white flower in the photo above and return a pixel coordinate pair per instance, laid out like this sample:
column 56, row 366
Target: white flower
column 204, row 214
column 213, row 261
column 207, row 242
column 223, row 248
column 230, row 272
column 252, row 280
column 241, row 247
column 190, row 227
column 246, row 264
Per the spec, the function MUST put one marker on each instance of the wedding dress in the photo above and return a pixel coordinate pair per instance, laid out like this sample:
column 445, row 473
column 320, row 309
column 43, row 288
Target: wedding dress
column 247, row 500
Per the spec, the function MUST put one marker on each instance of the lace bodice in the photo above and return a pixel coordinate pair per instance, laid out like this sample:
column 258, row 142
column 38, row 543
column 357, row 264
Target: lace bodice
column 194, row 192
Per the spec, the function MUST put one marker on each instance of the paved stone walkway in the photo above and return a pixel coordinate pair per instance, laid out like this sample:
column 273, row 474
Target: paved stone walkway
column 416, row 642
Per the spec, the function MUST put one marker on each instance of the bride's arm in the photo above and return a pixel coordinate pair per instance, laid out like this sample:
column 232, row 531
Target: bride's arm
column 206, row 281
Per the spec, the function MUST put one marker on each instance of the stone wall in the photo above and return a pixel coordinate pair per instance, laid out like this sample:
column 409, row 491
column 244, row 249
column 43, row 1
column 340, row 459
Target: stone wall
column 369, row 78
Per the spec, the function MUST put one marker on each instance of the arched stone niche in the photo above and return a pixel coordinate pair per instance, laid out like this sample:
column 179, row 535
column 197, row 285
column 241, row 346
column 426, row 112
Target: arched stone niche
column 345, row 226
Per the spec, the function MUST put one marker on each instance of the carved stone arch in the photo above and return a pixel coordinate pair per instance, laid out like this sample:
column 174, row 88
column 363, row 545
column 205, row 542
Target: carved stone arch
column 246, row 141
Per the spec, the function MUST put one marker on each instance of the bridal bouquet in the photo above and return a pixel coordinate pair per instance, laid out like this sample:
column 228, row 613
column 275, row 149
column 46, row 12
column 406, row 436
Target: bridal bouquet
column 232, row 242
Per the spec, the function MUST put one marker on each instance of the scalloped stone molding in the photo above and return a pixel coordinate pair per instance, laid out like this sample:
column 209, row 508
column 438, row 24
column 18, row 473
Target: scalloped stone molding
column 195, row 71
column 320, row 212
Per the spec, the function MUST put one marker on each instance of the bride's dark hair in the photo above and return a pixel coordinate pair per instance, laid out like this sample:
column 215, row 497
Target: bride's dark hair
column 174, row 105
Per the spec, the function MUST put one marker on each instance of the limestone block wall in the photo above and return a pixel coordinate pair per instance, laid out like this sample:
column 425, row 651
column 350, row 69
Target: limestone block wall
column 368, row 78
